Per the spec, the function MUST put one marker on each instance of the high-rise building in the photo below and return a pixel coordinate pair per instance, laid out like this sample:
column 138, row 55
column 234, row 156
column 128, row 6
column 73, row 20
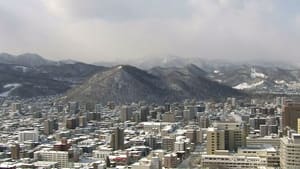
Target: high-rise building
column 203, row 122
column 15, row 151
column 225, row 136
column 29, row 135
column 189, row 113
column 72, row 122
column 144, row 112
column 289, row 152
column 50, row 125
column 215, row 140
column 168, row 143
column 235, row 135
column 170, row 161
column 151, row 141
column 179, row 145
column 125, row 114
column 290, row 115
column 73, row 107
column 117, row 138
column 82, row 121
column 16, row 107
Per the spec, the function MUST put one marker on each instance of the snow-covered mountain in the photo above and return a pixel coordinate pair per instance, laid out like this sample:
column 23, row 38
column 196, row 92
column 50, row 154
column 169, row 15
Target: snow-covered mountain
column 126, row 84
column 255, row 78
column 31, row 75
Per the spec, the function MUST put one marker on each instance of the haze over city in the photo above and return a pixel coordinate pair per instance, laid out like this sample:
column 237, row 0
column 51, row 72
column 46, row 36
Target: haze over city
column 116, row 30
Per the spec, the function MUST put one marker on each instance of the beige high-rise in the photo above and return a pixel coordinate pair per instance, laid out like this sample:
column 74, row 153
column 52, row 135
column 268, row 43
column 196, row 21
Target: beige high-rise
column 289, row 152
column 225, row 136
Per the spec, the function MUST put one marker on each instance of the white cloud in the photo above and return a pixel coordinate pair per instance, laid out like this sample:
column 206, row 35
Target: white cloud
column 98, row 30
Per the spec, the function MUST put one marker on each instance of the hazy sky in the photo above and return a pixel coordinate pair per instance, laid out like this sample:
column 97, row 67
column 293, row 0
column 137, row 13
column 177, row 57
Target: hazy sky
column 107, row 30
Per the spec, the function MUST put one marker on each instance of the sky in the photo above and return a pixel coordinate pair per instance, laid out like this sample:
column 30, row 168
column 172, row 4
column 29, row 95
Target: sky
column 119, row 30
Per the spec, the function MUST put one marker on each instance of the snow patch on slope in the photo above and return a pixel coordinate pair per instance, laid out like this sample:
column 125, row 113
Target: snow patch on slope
column 258, row 75
column 280, row 82
column 245, row 85
column 10, row 87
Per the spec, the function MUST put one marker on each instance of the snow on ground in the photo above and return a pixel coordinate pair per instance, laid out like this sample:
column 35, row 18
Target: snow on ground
column 11, row 86
column 236, row 117
column 216, row 71
column 245, row 85
column 280, row 82
column 258, row 75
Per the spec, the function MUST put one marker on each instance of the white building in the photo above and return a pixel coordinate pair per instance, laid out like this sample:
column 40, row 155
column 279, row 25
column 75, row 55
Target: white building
column 102, row 153
column 62, row 157
column 30, row 135
column 144, row 163
column 232, row 162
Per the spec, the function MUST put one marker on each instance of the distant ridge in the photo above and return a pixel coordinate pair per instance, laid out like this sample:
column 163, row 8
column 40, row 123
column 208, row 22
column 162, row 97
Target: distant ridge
column 126, row 84
column 30, row 75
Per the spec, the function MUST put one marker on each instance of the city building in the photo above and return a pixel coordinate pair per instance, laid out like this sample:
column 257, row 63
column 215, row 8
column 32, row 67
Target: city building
column 232, row 161
column 290, row 152
column 290, row 115
column 225, row 136
column 15, row 151
column 170, row 161
column 62, row 157
column 125, row 113
column 50, row 125
column 263, row 151
column 29, row 135
column 16, row 107
column 117, row 138
column 168, row 143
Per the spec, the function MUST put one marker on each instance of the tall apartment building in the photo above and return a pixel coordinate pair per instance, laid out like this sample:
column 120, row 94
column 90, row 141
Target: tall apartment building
column 215, row 140
column 50, row 125
column 203, row 121
column 16, row 107
column 290, row 152
column 73, row 107
column 290, row 115
column 168, row 143
column 15, row 151
column 144, row 112
column 226, row 136
column 117, row 138
column 125, row 114
column 170, row 161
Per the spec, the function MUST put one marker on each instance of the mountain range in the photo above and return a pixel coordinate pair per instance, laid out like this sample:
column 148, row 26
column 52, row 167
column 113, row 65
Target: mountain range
column 126, row 84
column 165, row 79
column 31, row 75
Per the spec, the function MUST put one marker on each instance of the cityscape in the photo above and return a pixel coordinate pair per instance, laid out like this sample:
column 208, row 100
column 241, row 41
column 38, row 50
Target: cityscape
column 44, row 133
column 160, row 84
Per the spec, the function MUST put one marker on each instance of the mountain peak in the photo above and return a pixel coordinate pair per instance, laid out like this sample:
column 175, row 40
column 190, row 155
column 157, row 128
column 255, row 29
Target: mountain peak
column 126, row 84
